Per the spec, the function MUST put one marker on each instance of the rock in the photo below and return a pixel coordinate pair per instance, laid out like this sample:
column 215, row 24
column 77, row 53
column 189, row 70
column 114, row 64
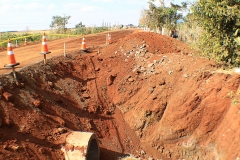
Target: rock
column 83, row 89
column 142, row 152
column 41, row 150
column 59, row 130
column 36, row 103
column 150, row 65
column 151, row 90
column 0, row 122
column 185, row 76
column 130, row 79
column 170, row 72
column 110, row 79
column 60, row 121
column 142, row 69
column 97, row 69
column 8, row 96
column 85, row 95
column 14, row 147
column 8, row 122
column 161, row 82
column 178, row 69
column 50, row 84
column 156, row 61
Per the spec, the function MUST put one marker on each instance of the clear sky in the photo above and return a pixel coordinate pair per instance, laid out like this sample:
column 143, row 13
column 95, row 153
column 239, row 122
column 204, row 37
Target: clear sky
column 19, row 15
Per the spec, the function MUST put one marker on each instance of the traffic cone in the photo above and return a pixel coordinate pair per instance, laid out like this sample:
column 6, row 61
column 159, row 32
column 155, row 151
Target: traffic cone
column 83, row 47
column 109, row 39
column 44, row 49
column 25, row 42
column 12, row 61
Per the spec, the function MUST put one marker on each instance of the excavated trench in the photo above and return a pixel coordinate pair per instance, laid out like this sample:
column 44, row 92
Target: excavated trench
column 140, row 98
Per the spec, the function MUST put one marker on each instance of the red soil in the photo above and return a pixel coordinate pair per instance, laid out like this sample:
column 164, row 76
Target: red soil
column 145, row 94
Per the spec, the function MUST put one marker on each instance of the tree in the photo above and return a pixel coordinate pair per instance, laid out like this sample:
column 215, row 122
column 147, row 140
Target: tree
column 59, row 23
column 220, row 21
column 157, row 17
column 79, row 25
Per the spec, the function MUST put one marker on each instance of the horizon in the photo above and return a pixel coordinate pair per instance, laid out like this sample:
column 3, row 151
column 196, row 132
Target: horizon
column 23, row 15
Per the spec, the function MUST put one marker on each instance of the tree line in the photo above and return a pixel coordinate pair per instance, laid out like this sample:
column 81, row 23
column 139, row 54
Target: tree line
column 213, row 26
column 59, row 24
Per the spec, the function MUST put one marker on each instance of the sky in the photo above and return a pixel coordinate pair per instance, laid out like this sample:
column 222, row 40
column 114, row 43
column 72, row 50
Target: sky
column 21, row 15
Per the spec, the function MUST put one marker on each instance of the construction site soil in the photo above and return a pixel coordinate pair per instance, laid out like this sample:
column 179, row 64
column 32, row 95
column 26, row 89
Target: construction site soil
column 145, row 95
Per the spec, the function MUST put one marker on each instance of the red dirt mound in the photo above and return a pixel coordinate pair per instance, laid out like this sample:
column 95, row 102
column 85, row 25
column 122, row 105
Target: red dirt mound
column 145, row 94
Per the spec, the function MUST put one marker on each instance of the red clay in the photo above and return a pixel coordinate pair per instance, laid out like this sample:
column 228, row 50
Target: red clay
column 145, row 94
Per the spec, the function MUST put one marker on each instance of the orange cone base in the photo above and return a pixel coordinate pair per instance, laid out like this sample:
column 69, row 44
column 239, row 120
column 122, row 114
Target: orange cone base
column 83, row 49
column 45, row 52
column 11, row 65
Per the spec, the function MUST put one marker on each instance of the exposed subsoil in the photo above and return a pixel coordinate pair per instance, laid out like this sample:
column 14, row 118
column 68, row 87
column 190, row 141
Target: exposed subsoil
column 145, row 94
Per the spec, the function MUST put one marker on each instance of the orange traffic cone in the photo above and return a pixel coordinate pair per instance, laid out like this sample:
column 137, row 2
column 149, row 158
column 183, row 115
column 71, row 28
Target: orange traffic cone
column 25, row 42
column 44, row 49
column 83, row 47
column 109, row 39
column 11, row 55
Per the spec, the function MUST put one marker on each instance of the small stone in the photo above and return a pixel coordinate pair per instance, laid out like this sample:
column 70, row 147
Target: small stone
column 110, row 79
column 156, row 61
column 178, row 69
column 150, row 65
column 41, row 150
column 83, row 89
column 85, row 95
column 151, row 90
column 185, row 76
column 161, row 82
column 36, row 103
column 14, row 147
column 50, row 84
column 142, row 152
column 97, row 69
column 8, row 122
column 8, row 96
column 130, row 79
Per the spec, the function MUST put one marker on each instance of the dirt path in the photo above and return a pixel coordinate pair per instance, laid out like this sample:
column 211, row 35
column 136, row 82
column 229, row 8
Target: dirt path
column 28, row 55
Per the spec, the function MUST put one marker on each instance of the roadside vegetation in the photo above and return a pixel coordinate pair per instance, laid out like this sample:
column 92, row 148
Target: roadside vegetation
column 58, row 30
column 211, row 26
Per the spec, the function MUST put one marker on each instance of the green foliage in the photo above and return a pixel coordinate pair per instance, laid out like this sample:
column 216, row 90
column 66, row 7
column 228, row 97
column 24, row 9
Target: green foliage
column 59, row 23
column 79, row 25
column 161, row 16
column 20, row 38
column 220, row 21
column 88, row 30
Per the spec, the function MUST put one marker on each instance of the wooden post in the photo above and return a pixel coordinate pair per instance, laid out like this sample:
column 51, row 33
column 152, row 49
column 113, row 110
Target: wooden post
column 45, row 59
column 14, row 73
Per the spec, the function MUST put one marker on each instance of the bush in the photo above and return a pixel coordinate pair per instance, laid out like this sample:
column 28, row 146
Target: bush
column 220, row 21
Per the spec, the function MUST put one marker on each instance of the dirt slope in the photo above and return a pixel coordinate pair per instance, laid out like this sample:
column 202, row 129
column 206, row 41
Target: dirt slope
column 145, row 95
